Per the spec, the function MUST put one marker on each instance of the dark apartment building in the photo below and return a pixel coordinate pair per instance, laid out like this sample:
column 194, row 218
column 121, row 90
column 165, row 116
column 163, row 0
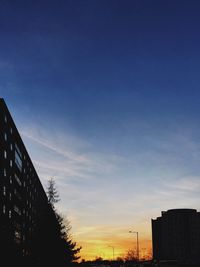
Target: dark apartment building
column 22, row 197
column 176, row 235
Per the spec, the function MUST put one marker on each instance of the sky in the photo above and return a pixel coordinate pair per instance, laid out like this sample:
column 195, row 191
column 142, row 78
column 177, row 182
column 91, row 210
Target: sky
column 105, row 94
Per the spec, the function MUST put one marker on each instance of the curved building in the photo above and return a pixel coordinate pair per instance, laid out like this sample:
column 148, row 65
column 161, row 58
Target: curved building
column 176, row 235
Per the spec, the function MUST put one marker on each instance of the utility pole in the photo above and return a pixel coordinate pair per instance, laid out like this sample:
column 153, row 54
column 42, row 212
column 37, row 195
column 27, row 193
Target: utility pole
column 113, row 249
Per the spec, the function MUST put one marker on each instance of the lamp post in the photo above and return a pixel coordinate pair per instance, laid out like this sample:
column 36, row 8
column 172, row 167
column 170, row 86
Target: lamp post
column 133, row 232
column 113, row 248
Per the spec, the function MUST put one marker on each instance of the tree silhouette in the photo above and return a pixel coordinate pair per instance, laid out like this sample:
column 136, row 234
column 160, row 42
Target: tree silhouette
column 52, row 193
column 130, row 255
column 51, row 243
column 66, row 249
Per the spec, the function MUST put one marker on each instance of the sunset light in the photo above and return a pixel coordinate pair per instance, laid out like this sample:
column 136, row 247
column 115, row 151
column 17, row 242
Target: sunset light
column 100, row 133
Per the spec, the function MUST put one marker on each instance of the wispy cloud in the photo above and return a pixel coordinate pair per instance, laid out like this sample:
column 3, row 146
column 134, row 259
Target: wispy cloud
column 53, row 145
column 65, row 156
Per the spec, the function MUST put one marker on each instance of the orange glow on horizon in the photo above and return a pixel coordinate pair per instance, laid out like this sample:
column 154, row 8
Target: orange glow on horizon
column 98, row 242
column 92, row 249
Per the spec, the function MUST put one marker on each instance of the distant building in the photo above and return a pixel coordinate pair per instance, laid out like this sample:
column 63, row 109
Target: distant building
column 22, row 196
column 176, row 235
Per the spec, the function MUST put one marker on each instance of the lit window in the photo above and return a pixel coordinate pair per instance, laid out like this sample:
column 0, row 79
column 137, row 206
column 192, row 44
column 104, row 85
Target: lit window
column 10, row 180
column 17, row 236
column 5, row 136
column 11, row 147
column 10, row 196
column 4, row 209
column 11, row 130
column 10, row 163
column 9, row 214
column 5, row 154
column 5, row 119
column 4, row 190
column 4, row 172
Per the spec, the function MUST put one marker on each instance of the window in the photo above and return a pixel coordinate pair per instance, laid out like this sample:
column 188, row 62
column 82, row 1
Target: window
column 5, row 136
column 18, row 150
column 11, row 147
column 4, row 209
column 18, row 157
column 11, row 130
column 4, row 172
column 5, row 154
column 9, row 214
column 10, row 180
column 4, row 190
column 5, row 119
column 17, row 210
column 17, row 236
column 18, row 180
column 10, row 163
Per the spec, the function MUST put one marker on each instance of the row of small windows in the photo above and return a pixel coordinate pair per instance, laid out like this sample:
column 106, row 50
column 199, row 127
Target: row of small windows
column 16, row 177
column 18, row 158
column 9, row 212
column 18, row 155
column 5, row 119
column 18, row 211
column 18, row 195
column 18, row 180
column 5, row 156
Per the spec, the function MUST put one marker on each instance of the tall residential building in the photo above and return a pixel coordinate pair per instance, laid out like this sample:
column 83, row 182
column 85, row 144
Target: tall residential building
column 22, row 197
column 176, row 235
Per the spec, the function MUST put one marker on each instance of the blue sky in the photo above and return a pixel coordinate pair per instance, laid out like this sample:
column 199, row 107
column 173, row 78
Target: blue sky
column 106, row 97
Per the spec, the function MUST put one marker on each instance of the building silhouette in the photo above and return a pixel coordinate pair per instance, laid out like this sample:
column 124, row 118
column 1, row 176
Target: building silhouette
column 176, row 235
column 23, row 200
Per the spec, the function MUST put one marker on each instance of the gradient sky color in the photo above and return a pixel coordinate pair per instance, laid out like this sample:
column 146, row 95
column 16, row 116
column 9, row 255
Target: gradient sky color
column 105, row 94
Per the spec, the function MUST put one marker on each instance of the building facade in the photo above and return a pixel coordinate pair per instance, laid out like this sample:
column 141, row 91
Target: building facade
column 22, row 196
column 176, row 235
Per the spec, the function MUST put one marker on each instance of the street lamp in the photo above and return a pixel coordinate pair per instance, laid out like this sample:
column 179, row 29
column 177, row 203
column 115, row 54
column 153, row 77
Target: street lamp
column 133, row 232
column 113, row 248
